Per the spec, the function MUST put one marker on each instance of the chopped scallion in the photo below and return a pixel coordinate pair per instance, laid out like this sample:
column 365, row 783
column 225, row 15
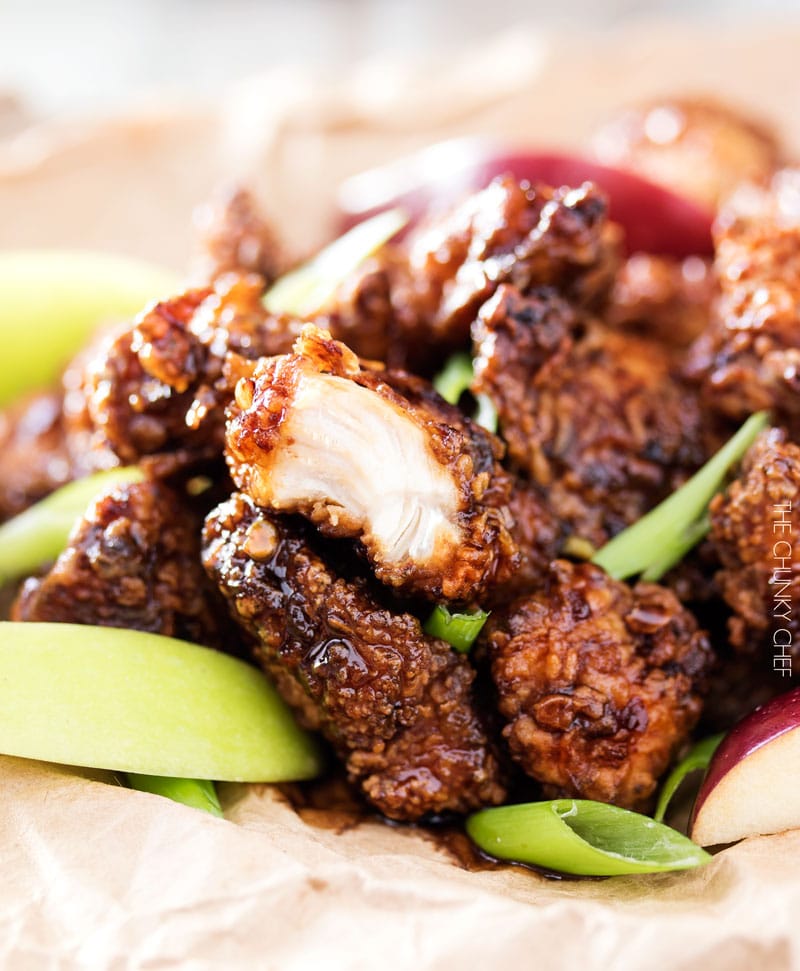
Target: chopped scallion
column 582, row 837
column 660, row 540
column 695, row 760
column 459, row 630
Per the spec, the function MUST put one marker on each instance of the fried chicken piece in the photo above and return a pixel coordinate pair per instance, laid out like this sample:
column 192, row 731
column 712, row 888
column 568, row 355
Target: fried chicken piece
column 395, row 704
column 425, row 293
column 40, row 451
column 34, row 459
column 755, row 527
column 698, row 148
column 158, row 390
column 132, row 561
column 236, row 238
column 376, row 456
column 539, row 537
column 749, row 358
column 600, row 684
column 594, row 417
column 662, row 298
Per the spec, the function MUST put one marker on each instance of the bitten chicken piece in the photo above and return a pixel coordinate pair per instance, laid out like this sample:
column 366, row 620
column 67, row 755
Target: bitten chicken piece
column 600, row 684
column 423, row 295
column 395, row 704
column 236, row 238
column 697, row 148
column 755, row 529
column 749, row 358
column 132, row 561
column 594, row 417
column 376, row 456
column 158, row 390
column 662, row 298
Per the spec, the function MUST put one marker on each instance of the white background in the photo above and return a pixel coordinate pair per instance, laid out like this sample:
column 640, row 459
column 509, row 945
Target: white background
column 78, row 56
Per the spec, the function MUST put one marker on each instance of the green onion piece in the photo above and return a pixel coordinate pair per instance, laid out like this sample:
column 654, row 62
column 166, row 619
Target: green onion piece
column 687, row 541
column 459, row 630
column 578, row 547
column 37, row 535
column 455, row 377
column 696, row 759
column 659, row 540
column 307, row 289
column 134, row 702
column 486, row 414
column 582, row 837
column 52, row 301
column 196, row 793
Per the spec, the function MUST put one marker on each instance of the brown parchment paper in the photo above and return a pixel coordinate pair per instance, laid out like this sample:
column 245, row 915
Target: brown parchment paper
column 95, row 876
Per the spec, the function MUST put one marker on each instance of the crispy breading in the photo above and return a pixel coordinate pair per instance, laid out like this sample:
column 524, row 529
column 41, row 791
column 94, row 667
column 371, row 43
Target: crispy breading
column 132, row 561
column 594, row 417
column 34, row 458
column 236, row 238
column 424, row 293
column 662, row 298
column 600, row 683
column 755, row 530
column 158, row 390
column 395, row 704
column 749, row 358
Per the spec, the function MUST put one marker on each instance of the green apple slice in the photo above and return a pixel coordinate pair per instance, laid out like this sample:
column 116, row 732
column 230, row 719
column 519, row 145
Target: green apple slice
column 143, row 703
column 52, row 301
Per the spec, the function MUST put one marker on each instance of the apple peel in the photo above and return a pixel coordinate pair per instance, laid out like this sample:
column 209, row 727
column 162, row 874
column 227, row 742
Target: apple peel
column 752, row 787
column 655, row 219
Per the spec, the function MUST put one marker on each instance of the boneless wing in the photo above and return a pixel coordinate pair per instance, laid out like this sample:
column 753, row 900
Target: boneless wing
column 593, row 417
column 600, row 684
column 396, row 705
column 375, row 456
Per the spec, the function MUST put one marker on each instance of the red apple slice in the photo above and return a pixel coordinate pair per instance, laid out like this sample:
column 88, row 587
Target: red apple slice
column 752, row 786
column 655, row 220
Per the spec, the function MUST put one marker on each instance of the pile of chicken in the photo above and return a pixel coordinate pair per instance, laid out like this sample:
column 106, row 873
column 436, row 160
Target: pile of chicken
column 309, row 496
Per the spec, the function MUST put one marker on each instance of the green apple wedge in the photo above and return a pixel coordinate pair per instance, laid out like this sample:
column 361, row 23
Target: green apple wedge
column 142, row 703
column 52, row 301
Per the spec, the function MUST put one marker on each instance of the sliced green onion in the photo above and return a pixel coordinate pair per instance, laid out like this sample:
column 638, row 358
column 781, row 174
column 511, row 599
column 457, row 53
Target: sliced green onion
column 682, row 545
column 52, row 301
column 582, row 837
column 134, row 702
column 307, row 289
column 659, row 540
column 197, row 793
column 696, row 759
column 578, row 547
column 459, row 630
column 37, row 535
column 486, row 413
column 455, row 377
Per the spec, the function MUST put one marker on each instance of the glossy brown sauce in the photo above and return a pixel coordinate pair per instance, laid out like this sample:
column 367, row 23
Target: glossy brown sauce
column 331, row 804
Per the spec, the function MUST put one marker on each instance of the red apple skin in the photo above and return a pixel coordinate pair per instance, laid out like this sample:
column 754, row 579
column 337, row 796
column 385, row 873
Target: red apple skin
column 762, row 726
column 655, row 220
